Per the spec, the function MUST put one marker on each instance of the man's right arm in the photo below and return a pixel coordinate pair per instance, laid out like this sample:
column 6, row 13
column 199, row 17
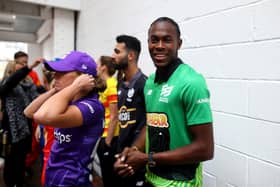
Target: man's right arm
column 201, row 148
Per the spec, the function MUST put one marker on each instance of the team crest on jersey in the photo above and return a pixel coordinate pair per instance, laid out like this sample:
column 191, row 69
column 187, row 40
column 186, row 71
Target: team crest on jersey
column 165, row 92
column 157, row 120
column 130, row 94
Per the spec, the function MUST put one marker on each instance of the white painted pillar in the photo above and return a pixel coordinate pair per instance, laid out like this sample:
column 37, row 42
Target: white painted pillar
column 63, row 32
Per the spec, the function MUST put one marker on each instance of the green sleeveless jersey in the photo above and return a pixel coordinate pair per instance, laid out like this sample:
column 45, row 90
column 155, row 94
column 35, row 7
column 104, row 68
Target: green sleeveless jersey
column 173, row 106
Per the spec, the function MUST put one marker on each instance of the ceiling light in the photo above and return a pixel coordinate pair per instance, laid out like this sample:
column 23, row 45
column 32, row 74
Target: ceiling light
column 5, row 17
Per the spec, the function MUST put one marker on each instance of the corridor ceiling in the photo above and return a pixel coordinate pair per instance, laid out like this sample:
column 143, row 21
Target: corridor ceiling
column 20, row 21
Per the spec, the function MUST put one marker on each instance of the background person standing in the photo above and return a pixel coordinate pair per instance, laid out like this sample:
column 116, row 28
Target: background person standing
column 73, row 108
column 131, row 104
column 17, row 91
column 21, row 57
column 108, row 143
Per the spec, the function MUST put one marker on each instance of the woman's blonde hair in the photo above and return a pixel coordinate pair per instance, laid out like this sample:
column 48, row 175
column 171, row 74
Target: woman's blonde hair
column 10, row 68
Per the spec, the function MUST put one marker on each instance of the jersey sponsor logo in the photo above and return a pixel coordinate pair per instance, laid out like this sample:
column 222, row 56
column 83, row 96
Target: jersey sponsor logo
column 157, row 120
column 149, row 92
column 89, row 106
column 125, row 116
column 204, row 100
column 165, row 92
column 61, row 138
column 119, row 92
column 130, row 92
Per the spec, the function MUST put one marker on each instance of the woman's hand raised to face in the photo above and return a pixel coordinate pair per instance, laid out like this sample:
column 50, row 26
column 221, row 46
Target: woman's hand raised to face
column 84, row 83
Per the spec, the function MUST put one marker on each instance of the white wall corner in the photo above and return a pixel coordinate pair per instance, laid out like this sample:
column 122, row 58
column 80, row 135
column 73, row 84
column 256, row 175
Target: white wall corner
column 44, row 31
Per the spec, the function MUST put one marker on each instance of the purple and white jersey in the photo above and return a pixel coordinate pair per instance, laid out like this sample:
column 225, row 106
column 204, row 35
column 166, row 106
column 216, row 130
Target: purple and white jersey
column 70, row 154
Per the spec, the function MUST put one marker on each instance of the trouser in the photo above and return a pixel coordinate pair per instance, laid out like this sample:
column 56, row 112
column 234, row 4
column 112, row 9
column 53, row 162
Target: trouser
column 15, row 164
column 137, row 180
column 32, row 156
column 110, row 178
column 107, row 159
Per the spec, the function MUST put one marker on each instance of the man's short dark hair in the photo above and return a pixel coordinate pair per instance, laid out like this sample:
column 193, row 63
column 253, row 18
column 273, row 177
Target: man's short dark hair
column 20, row 54
column 131, row 43
column 167, row 19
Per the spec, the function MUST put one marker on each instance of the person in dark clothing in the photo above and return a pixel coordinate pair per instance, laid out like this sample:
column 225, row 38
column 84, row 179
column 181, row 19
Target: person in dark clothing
column 107, row 146
column 21, row 57
column 131, row 104
column 16, row 90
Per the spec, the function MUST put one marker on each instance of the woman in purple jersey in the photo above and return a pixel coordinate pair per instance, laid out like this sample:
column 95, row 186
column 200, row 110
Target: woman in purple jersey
column 72, row 106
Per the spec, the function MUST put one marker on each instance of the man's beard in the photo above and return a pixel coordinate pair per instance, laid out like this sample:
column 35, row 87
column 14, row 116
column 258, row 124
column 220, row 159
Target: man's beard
column 123, row 64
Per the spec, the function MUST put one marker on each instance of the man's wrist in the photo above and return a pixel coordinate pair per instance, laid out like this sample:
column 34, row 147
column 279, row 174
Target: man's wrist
column 151, row 161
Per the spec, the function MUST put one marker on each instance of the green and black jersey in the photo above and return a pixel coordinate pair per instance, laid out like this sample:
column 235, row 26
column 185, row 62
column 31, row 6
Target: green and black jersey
column 172, row 107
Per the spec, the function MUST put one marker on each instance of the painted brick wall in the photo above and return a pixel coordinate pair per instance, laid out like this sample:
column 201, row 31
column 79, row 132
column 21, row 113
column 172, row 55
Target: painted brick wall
column 236, row 45
column 58, row 34
column 63, row 32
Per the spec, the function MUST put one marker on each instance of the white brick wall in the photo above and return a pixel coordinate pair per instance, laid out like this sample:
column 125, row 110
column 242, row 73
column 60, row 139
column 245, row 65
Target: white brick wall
column 263, row 174
column 34, row 51
column 228, row 167
column 235, row 44
column 59, row 34
column 63, row 32
column 263, row 100
column 47, row 48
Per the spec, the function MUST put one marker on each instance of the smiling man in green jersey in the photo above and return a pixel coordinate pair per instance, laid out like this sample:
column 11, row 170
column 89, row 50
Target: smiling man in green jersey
column 179, row 133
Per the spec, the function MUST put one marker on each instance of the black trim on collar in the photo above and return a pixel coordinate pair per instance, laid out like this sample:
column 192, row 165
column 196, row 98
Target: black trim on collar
column 132, row 81
column 163, row 73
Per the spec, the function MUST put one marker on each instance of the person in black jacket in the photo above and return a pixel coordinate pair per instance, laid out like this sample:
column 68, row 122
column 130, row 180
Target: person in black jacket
column 16, row 90
column 131, row 103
